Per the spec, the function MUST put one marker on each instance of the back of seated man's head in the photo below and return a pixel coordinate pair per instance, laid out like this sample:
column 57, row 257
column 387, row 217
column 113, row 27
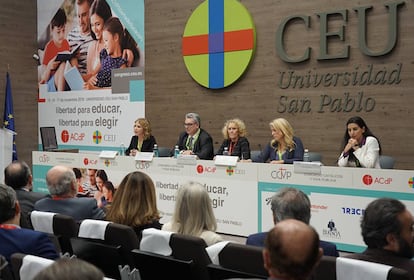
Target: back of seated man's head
column 7, row 203
column 291, row 203
column 387, row 224
column 291, row 250
column 18, row 175
column 61, row 181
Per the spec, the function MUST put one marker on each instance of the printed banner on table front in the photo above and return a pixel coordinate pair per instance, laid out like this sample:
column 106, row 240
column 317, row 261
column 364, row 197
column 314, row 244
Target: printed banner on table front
column 91, row 71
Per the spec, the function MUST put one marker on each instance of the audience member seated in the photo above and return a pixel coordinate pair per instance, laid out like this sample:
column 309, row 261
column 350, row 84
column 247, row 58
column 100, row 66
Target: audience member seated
column 61, row 182
column 135, row 203
column 291, row 203
column 68, row 269
column 387, row 229
column 193, row 214
column 284, row 147
column 234, row 133
column 195, row 140
column 18, row 176
column 360, row 147
column 291, row 250
column 14, row 239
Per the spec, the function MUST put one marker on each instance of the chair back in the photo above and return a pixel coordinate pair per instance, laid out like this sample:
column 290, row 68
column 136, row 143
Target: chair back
column 62, row 227
column 332, row 268
column 217, row 272
column 107, row 245
column 244, row 258
column 386, row 162
column 313, row 156
column 27, row 266
column 156, row 266
column 255, row 155
column 191, row 248
column 164, row 152
column 5, row 271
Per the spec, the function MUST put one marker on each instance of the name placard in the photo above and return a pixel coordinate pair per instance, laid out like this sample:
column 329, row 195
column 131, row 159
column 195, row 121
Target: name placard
column 144, row 156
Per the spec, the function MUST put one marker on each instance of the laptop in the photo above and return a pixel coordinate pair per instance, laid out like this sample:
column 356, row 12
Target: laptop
column 49, row 142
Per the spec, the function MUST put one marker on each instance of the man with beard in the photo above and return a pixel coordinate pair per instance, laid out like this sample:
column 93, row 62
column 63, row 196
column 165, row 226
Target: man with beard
column 387, row 229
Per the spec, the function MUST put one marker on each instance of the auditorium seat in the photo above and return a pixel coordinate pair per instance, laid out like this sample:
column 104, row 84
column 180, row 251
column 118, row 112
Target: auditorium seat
column 60, row 226
column 164, row 152
column 313, row 156
column 355, row 269
column 386, row 162
column 239, row 259
column 106, row 245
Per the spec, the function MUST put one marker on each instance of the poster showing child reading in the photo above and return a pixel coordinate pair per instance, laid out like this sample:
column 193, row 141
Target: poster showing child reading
column 91, row 70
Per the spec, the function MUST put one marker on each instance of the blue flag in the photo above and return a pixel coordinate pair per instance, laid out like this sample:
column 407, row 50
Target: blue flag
column 8, row 113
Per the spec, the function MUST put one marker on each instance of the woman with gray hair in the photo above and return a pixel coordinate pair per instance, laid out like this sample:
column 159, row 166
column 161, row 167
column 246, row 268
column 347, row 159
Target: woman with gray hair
column 193, row 214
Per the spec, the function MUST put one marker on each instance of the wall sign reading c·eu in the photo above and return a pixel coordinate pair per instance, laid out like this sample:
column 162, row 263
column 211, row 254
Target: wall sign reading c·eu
column 218, row 43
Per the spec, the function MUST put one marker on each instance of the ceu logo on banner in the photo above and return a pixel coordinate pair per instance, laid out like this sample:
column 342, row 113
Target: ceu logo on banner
column 230, row 171
column 64, row 136
column 97, row 137
column 411, row 182
column 218, row 42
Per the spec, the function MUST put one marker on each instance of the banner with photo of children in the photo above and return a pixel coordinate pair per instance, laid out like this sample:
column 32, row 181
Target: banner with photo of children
column 91, row 59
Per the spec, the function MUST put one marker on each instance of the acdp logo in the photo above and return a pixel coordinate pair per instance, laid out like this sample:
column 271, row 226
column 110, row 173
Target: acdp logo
column 218, row 42
column 367, row 179
column 64, row 136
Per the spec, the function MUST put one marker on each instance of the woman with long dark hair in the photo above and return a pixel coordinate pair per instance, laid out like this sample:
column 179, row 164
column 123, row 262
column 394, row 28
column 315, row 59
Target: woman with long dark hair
column 360, row 146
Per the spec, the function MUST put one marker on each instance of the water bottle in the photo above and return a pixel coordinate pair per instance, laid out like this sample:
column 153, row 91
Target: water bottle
column 226, row 151
column 122, row 149
column 155, row 150
column 176, row 151
column 306, row 155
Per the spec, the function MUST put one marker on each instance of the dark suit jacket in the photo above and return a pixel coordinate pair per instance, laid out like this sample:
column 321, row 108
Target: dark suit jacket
column 269, row 153
column 242, row 147
column 203, row 147
column 79, row 208
column 385, row 257
column 257, row 239
column 26, row 241
column 147, row 144
column 27, row 201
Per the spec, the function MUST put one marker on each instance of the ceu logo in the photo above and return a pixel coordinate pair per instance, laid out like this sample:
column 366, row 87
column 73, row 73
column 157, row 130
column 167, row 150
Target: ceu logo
column 411, row 182
column 64, row 136
column 97, row 137
column 229, row 171
column 367, row 180
column 218, row 43
column 107, row 162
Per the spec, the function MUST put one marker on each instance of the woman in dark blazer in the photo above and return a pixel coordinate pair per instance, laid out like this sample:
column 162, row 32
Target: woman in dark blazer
column 234, row 133
column 142, row 141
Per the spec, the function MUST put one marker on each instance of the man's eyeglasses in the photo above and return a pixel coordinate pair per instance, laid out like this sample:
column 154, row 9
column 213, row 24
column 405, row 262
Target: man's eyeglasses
column 189, row 124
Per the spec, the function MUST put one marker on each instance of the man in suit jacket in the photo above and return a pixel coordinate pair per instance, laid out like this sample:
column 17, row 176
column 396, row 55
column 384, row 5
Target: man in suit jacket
column 291, row 203
column 18, row 176
column 61, row 182
column 14, row 239
column 387, row 229
column 195, row 140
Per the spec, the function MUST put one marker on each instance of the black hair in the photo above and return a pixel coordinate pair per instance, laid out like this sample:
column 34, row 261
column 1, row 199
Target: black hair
column 59, row 19
column 380, row 219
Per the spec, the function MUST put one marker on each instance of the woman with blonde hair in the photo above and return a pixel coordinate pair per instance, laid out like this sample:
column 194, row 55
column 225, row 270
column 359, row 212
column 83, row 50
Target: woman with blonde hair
column 193, row 214
column 234, row 133
column 142, row 141
column 284, row 147
column 134, row 203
